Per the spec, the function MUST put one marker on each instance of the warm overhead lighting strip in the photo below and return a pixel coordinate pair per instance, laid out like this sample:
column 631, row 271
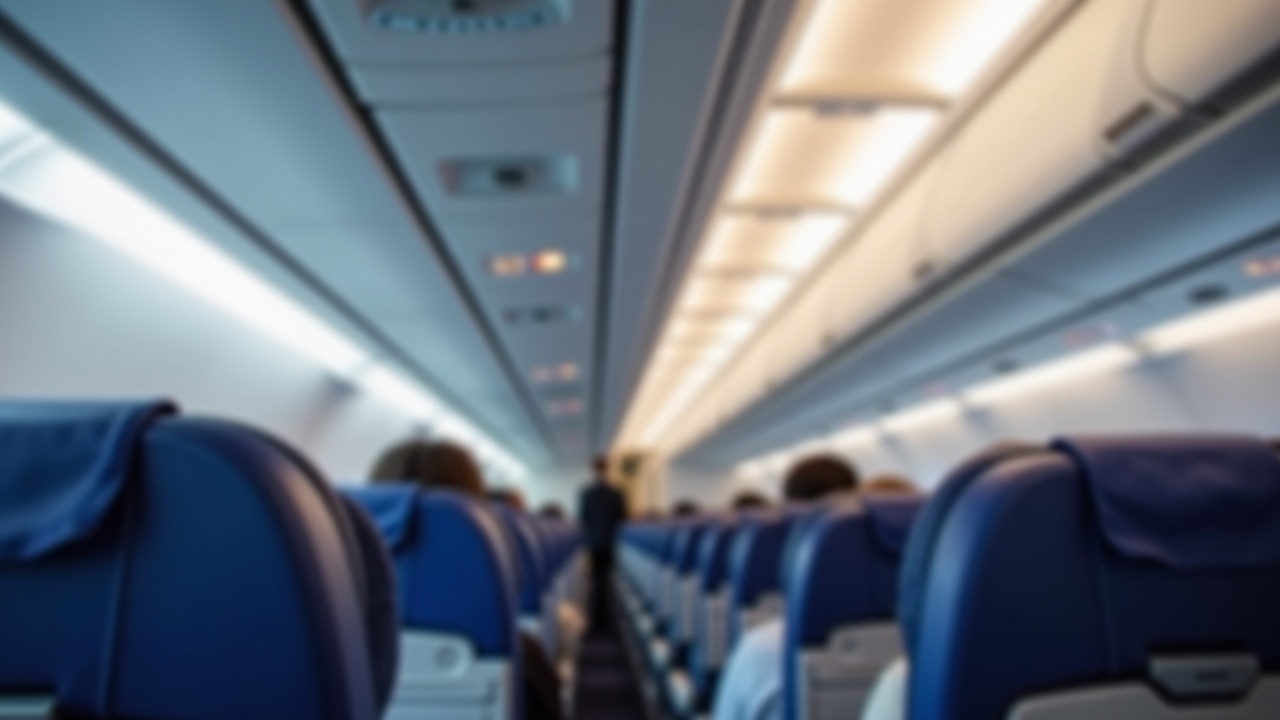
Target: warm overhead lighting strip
column 45, row 176
column 1182, row 334
column 864, row 140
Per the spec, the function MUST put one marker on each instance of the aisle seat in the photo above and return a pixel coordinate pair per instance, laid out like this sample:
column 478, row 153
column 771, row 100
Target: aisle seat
column 841, row 587
column 457, row 599
column 1133, row 577
column 153, row 566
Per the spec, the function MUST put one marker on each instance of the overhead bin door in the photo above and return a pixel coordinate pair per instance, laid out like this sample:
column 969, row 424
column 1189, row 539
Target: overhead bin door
column 1031, row 142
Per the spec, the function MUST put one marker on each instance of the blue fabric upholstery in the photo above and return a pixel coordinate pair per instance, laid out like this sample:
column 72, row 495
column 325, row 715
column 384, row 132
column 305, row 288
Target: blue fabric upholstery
column 455, row 571
column 531, row 556
column 64, row 465
column 393, row 509
column 923, row 538
column 1022, row 592
column 381, row 610
column 755, row 562
column 843, row 571
column 219, row 584
column 1211, row 512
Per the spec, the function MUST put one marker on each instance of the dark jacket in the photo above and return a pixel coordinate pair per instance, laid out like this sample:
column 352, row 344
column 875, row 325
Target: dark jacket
column 601, row 510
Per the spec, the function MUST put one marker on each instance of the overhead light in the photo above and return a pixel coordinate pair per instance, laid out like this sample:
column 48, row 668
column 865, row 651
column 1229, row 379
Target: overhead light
column 793, row 242
column 894, row 135
column 1259, row 268
column 757, row 293
column 1229, row 318
column 555, row 373
column 507, row 265
column 1109, row 356
column 731, row 329
column 550, row 262
column 975, row 39
column 394, row 389
column 929, row 412
column 854, row 437
column 57, row 182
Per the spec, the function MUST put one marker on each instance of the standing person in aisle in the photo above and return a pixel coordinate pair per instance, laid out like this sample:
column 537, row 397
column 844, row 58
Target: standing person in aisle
column 601, row 509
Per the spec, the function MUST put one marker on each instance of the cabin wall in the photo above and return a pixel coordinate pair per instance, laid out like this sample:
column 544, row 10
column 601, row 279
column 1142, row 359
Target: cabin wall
column 1230, row 385
column 79, row 320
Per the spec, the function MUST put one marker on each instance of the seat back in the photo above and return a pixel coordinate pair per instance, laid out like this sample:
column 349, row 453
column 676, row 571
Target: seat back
column 1100, row 577
column 685, row 587
column 457, row 599
column 711, row 620
column 152, row 566
column 755, row 563
column 841, row 587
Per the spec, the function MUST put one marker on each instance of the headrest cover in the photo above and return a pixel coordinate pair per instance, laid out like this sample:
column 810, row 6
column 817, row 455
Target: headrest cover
column 1191, row 502
column 62, row 465
column 391, row 507
column 890, row 520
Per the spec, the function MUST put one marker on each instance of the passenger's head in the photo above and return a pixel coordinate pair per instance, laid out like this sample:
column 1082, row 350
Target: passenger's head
column 430, row 465
column 749, row 500
column 889, row 484
column 817, row 477
column 601, row 467
column 551, row 510
column 509, row 497
column 685, row 508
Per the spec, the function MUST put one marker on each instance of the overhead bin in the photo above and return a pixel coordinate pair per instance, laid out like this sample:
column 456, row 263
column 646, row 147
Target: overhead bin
column 1174, row 55
column 1031, row 142
column 1190, row 49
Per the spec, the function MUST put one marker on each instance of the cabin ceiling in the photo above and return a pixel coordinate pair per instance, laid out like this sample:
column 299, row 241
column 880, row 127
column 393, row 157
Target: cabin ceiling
column 489, row 204
column 708, row 228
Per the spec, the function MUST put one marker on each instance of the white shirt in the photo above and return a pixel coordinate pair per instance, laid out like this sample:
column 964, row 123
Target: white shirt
column 751, row 686
column 888, row 698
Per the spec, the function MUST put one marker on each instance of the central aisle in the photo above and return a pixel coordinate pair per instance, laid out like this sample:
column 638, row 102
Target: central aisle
column 606, row 688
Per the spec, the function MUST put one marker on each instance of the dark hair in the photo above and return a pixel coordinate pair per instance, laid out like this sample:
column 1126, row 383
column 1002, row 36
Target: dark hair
column 601, row 465
column 685, row 508
column 749, row 499
column 430, row 465
column 819, row 476
column 552, row 510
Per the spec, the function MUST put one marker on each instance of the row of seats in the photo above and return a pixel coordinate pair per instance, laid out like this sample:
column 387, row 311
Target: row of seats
column 156, row 566
column 1134, row 577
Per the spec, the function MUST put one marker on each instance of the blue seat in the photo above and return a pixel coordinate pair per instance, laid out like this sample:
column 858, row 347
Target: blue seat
column 534, row 570
column 152, row 566
column 755, row 567
column 1099, row 577
column 841, row 585
column 710, row 646
column 457, row 599
column 685, row 592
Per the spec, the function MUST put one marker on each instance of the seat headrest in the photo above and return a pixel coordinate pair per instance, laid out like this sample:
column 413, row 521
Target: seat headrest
column 1192, row 503
column 62, row 466
column 392, row 507
column 891, row 519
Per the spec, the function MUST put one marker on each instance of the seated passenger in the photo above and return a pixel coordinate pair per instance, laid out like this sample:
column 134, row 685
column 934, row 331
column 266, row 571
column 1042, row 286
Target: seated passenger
column 751, row 687
column 749, row 500
column 551, row 511
column 685, row 508
column 569, row 621
column 436, row 465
